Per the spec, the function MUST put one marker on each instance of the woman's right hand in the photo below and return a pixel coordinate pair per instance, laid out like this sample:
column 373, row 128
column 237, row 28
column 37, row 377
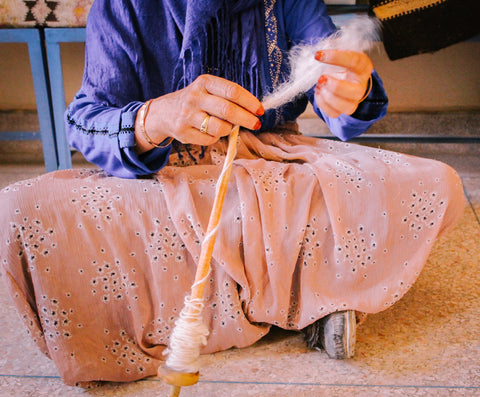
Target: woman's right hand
column 180, row 114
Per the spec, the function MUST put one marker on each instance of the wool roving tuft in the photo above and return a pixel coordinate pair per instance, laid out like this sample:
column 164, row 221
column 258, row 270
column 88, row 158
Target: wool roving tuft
column 356, row 35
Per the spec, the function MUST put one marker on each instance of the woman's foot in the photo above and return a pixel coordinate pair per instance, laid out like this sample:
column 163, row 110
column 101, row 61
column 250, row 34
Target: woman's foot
column 335, row 333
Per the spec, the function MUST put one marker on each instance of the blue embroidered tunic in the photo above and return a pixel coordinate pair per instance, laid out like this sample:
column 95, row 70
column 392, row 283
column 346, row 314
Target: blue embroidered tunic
column 141, row 49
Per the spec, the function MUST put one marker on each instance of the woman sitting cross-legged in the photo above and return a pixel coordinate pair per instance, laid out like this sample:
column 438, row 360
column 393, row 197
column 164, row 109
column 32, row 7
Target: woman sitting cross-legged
column 313, row 231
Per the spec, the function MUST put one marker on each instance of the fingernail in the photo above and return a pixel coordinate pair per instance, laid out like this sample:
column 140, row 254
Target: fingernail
column 257, row 125
column 260, row 111
column 322, row 81
column 319, row 55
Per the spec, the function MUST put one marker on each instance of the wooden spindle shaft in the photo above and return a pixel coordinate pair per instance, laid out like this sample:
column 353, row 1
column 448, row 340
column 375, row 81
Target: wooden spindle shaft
column 207, row 249
column 175, row 378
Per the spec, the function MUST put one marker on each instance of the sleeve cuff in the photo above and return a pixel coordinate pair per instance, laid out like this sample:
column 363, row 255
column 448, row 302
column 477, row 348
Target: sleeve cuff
column 372, row 109
column 146, row 163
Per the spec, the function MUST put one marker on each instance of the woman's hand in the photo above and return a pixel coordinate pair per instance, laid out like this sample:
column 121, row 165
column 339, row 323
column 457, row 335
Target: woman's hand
column 180, row 114
column 336, row 96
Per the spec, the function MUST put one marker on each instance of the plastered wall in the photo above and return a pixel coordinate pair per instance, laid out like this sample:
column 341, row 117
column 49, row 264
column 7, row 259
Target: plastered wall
column 446, row 80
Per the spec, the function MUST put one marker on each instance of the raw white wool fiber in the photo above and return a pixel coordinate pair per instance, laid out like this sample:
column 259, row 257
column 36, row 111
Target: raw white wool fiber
column 357, row 35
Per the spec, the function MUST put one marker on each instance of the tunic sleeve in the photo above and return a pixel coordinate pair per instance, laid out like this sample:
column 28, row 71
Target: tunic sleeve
column 100, row 121
column 308, row 21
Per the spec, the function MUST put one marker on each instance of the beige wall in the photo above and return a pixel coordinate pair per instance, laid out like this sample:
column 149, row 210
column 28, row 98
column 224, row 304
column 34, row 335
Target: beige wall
column 446, row 80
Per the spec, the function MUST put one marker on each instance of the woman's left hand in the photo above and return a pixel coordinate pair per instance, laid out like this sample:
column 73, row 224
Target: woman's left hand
column 336, row 96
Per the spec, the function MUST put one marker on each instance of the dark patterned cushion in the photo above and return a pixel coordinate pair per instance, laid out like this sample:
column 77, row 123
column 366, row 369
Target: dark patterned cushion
column 417, row 26
column 31, row 13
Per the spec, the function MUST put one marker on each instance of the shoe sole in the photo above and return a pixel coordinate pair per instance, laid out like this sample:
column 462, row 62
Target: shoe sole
column 340, row 327
column 350, row 333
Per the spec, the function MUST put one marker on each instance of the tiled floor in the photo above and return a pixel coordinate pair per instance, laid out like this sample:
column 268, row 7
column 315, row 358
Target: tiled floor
column 428, row 344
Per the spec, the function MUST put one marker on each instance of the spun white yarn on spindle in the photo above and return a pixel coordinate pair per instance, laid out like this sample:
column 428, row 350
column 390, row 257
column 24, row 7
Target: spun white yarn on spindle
column 188, row 336
column 356, row 35
column 190, row 332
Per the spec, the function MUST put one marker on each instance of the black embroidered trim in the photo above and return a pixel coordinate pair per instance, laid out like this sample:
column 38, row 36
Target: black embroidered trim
column 92, row 131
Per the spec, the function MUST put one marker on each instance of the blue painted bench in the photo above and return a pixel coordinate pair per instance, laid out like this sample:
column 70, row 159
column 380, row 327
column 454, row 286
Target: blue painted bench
column 23, row 21
column 33, row 38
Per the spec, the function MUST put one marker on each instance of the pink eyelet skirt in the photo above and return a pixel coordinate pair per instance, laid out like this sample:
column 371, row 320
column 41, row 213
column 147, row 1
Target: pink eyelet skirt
column 98, row 267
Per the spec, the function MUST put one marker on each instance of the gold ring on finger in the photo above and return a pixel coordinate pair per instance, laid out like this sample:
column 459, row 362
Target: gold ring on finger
column 204, row 126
